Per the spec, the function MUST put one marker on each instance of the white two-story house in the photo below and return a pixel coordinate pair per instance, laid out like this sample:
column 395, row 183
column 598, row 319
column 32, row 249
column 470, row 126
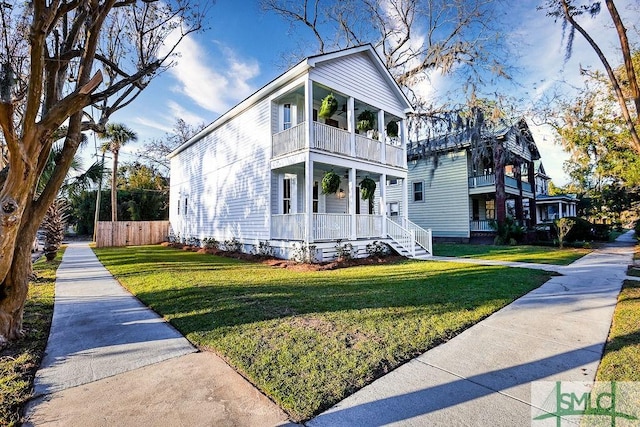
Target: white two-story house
column 255, row 174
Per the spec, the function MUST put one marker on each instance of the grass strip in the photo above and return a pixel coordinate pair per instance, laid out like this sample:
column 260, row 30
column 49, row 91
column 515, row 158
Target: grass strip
column 521, row 253
column 20, row 359
column 309, row 339
column 622, row 352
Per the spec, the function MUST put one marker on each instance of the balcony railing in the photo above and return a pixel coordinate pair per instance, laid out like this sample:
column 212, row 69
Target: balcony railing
column 488, row 180
column 482, row 181
column 338, row 141
column 332, row 139
column 289, row 140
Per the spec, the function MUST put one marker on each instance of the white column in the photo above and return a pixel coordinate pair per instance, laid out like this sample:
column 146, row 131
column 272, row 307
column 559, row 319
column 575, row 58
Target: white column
column 353, row 193
column 559, row 210
column 381, row 137
column 351, row 124
column 383, row 202
column 308, row 200
column 404, row 139
column 405, row 199
column 308, row 111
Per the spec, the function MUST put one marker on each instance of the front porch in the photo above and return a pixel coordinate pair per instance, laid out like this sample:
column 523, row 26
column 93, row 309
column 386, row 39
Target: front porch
column 404, row 236
column 327, row 227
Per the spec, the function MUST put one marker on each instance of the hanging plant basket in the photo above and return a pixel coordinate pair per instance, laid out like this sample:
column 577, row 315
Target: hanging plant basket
column 329, row 106
column 366, row 121
column 392, row 129
column 367, row 189
column 330, row 183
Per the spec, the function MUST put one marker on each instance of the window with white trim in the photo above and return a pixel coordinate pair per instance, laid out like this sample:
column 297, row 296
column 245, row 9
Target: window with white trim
column 418, row 191
column 286, row 196
column 393, row 208
column 286, row 116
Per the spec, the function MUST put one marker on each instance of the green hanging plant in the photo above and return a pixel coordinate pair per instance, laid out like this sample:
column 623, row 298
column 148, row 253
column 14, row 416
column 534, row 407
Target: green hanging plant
column 330, row 183
column 367, row 189
column 392, row 129
column 329, row 106
column 366, row 121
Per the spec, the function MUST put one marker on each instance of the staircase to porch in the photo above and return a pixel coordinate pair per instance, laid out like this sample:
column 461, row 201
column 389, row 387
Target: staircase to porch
column 409, row 239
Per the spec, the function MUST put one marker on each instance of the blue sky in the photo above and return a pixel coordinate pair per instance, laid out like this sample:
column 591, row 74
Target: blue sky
column 244, row 49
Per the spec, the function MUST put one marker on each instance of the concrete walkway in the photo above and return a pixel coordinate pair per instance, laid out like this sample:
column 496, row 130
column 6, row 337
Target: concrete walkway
column 484, row 375
column 112, row 361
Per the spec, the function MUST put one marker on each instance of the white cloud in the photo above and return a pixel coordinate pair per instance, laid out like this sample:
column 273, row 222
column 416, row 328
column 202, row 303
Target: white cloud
column 163, row 126
column 178, row 111
column 214, row 82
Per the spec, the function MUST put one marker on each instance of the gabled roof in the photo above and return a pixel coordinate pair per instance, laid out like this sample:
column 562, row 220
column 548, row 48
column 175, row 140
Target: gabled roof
column 541, row 172
column 460, row 139
column 301, row 68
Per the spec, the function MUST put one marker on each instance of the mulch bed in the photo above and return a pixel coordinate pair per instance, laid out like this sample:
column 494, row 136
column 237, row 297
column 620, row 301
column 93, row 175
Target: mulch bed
column 290, row 264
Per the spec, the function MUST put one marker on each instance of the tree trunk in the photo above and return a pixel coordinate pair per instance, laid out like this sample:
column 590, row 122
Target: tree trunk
column 114, row 189
column 14, row 292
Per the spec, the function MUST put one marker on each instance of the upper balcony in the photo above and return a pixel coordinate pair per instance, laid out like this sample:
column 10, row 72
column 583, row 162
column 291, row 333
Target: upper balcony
column 490, row 181
column 333, row 140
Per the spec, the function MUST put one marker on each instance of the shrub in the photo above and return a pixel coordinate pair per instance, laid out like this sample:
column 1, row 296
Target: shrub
column 263, row 248
column 344, row 251
column 507, row 231
column 303, row 253
column 210, row 243
column 582, row 230
column 232, row 245
column 378, row 249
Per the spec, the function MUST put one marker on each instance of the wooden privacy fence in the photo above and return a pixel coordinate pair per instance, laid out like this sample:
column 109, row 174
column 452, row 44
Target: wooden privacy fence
column 131, row 233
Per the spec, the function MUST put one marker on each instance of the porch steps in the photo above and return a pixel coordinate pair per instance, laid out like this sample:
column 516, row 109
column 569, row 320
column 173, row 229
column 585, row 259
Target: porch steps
column 421, row 253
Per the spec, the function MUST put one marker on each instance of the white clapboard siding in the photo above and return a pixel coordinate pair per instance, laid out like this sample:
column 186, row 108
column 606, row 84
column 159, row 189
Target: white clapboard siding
column 445, row 208
column 358, row 76
column 226, row 178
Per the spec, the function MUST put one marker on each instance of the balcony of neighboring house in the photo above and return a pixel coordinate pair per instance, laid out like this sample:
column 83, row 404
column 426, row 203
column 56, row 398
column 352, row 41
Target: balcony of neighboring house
column 488, row 183
column 355, row 130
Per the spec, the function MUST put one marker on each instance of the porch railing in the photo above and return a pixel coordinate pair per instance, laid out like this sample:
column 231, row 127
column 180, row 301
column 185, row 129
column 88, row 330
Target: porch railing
column 288, row 226
column 480, row 225
column 331, row 226
column 402, row 236
column 369, row 226
column 421, row 236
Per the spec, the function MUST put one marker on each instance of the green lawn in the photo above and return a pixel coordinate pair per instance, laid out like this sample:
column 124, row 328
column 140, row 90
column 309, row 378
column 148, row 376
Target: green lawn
column 19, row 361
column 621, row 357
column 522, row 253
column 308, row 339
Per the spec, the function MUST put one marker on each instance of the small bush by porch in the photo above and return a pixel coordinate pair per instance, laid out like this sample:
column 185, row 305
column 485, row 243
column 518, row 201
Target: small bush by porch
column 308, row 339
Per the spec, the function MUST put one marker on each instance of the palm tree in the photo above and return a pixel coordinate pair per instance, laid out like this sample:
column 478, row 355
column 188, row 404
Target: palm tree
column 115, row 136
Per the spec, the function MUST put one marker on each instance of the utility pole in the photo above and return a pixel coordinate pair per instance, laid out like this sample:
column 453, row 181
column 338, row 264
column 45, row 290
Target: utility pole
column 97, row 215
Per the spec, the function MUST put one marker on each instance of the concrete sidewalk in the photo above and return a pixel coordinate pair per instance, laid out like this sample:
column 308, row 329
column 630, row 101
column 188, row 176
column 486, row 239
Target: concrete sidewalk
column 483, row 376
column 112, row 361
